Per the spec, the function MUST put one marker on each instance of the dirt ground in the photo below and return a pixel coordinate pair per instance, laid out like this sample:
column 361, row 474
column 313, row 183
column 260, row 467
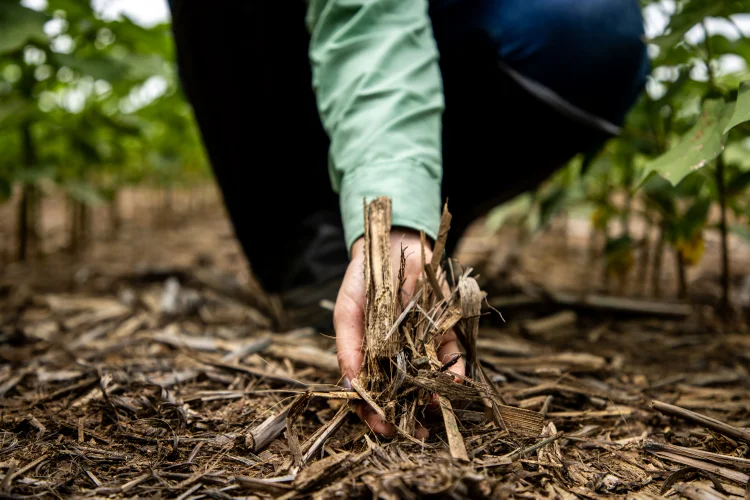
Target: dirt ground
column 146, row 366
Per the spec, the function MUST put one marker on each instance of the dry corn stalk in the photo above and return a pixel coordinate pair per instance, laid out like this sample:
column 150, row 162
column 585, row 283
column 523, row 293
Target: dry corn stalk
column 379, row 285
column 401, row 371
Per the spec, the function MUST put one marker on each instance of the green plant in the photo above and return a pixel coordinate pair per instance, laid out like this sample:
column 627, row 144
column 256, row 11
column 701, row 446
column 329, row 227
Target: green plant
column 79, row 109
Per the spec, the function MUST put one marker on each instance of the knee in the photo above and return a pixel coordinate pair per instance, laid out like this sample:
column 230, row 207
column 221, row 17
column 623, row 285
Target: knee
column 595, row 27
column 590, row 29
column 574, row 47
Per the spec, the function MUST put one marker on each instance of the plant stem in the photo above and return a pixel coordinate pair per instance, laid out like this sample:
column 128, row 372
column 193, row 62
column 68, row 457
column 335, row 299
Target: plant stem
column 645, row 254
column 27, row 195
column 721, row 186
column 658, row 257
column 681, row 275
column 591, row 256
column 114, row 214
column 85, row 225
column 709, row 56
column 73, row 217
column 23, row 224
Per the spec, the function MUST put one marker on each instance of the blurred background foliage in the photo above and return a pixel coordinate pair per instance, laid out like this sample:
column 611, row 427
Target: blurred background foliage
column 681, row 166
column 90, row 106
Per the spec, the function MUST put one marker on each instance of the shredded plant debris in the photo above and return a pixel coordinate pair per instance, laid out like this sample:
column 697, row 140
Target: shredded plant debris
column 176, row 386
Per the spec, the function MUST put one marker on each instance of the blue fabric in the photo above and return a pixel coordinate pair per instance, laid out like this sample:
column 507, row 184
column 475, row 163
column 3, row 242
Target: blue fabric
column 590, row 52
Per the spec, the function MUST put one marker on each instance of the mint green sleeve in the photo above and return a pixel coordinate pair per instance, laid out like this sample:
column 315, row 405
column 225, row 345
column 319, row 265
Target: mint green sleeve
column 380, row 97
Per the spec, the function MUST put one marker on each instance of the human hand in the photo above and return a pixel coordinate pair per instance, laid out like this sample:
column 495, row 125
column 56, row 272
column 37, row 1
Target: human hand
column 349, row 316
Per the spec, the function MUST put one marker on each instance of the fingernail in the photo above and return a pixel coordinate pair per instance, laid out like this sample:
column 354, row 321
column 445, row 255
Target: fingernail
column 347, row 383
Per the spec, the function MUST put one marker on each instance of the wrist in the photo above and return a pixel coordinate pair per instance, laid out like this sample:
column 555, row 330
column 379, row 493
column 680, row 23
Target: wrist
column 412, row 188
column 405, row 237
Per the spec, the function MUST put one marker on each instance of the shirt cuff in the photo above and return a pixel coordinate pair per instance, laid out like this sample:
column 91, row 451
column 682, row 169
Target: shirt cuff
column 412, row 188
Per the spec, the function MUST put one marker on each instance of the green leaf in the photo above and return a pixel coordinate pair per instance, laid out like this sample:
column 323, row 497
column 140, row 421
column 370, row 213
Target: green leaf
column 741, row 230
column 13, row 111
column 74, row 9
column 737, row 153
column 83, row 192
column 618, row 245
column 697, row 215
column 700, row 145
column 99, row 67
column 741, row 109
column 692, row 222
column 509, row 211
column 32, row 175
column 6, row 189
column 143, row 66
column 674, row 88
column 19, row 26
column 88, row 148
column 551, row 204
column 692, row 185
column 123, row 125
column 661, row 193
column 694, row 12
column 737, row 184
column 156, row 40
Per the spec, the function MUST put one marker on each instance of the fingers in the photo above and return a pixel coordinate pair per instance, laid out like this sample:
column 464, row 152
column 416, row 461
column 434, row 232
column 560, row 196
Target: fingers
column 373, row 420
column 349, row 319
column 447, row 349
column 349, row 316
column 411, row 244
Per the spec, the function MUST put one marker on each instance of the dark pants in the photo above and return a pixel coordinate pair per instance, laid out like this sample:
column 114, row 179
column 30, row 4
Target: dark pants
column 528, row 84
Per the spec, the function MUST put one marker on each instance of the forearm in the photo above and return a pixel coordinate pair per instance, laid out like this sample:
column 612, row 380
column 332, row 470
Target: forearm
column 379, row 93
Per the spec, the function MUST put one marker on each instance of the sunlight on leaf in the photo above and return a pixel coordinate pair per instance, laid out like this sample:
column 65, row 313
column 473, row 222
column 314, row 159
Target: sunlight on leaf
column 742, row 108
column 700, row 145
column 101, row 67
column 19, row 25
column 741, row 230
column 509, row 212
column 84, row 193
